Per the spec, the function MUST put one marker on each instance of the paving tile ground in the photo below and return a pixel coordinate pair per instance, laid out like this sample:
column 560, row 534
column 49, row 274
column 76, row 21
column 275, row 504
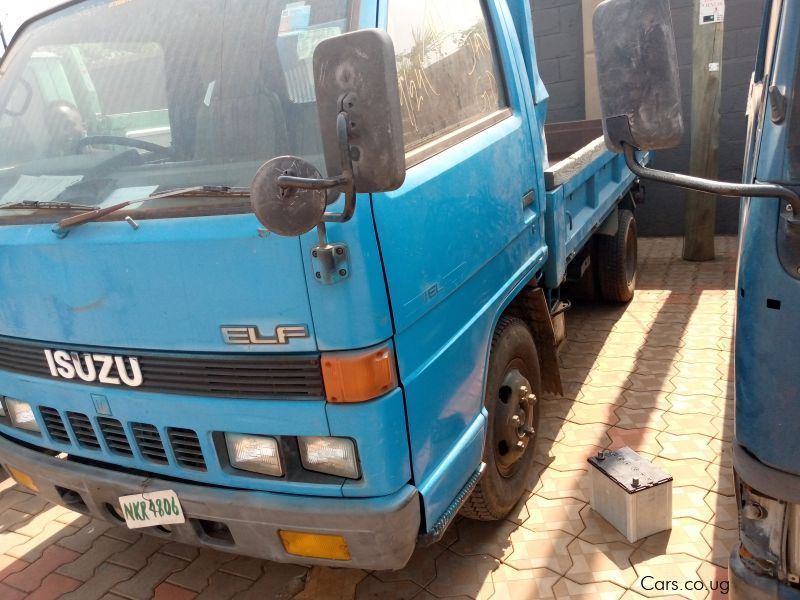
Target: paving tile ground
column 655, row 375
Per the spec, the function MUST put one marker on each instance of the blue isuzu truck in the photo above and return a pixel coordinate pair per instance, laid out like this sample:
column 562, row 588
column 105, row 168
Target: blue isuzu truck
column 641, row 108
column 283, row 278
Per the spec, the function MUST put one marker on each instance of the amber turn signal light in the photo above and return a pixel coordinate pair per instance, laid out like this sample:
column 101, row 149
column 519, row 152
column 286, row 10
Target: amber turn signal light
column 315, row 545
column 22, row 478
column 358, row 376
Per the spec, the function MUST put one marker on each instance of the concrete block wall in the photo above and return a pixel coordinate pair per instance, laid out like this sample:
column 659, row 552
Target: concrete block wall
column 559, row 41
column 558, row 30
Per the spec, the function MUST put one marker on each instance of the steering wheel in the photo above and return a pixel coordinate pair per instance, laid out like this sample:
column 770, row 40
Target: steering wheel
column 118, row 140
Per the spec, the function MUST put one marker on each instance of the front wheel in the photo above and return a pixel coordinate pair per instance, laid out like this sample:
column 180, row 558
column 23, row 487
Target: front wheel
column 513, row 389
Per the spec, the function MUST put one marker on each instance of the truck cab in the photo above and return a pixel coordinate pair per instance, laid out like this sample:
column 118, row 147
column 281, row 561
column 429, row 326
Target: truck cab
column 170, row 361
column 766, row 563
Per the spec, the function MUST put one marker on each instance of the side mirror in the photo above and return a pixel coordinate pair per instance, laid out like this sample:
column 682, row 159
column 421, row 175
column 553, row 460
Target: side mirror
column 356, row 73
column 637, row 69
column 358, row 102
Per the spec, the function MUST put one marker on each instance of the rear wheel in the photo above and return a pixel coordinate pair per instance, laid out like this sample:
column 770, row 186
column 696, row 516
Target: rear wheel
column 617, row 261
column 512, row 394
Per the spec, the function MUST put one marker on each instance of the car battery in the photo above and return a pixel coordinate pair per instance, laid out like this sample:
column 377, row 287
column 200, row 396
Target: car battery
column 632, row 494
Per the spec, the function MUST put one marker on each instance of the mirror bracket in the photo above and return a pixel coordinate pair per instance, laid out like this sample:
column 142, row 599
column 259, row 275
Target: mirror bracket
column 344, row 183
column 330, row 262
column 791, row 200
column 619, row 130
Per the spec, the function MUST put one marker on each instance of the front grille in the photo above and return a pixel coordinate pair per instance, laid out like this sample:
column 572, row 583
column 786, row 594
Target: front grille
column 186, row 448
column 184, row 442
column 217, row 375
column 149, row 443
column 114, row 435
column 83, row 430
column 54, row 424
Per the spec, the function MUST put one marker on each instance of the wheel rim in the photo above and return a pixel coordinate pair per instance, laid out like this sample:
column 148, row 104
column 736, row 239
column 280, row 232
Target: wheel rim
column 631, row 256
column 513, row 421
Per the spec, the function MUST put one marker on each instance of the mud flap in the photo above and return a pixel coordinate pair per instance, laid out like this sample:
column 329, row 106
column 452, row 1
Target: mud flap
column 531, row 306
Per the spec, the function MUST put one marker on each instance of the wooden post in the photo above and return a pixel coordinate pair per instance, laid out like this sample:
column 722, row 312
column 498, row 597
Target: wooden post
column 706, row 95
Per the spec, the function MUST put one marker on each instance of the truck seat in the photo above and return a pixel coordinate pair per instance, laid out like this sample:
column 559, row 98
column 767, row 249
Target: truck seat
column 241, row 125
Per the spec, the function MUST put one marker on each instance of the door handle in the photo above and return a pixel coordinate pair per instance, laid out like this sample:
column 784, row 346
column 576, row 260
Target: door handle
column 527, row 200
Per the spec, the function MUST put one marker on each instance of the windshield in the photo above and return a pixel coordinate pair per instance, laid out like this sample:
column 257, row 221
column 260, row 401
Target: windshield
column 110, row 101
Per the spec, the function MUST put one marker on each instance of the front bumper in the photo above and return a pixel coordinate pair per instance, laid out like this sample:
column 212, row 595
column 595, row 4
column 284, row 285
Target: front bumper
column 381, row 533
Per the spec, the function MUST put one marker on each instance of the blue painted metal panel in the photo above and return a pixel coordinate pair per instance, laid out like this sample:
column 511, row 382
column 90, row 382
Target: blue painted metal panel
column 578, row 207
column 169, row 285
column 380, row 428
column 353, row 313
column 455, row 242
column 520, row 11
column 767, row 344
column 773, row 164
column 556, row 236
column 465, row 455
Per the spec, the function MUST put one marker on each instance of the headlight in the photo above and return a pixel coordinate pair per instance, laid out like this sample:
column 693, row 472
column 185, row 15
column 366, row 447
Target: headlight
column 254, row 453
column 334, row 456
column 21, row 414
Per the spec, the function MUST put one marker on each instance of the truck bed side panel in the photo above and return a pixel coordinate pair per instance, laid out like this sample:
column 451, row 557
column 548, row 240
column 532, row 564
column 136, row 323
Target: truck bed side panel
column 578, row 206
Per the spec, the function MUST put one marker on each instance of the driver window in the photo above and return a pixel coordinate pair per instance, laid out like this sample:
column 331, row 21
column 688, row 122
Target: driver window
column 447, row 64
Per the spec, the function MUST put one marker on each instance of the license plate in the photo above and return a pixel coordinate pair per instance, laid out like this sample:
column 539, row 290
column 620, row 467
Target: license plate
column 152, row 508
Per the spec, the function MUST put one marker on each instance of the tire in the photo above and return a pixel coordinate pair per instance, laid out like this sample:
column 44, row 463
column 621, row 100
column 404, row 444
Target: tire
column 617, row 258
column 513, row 365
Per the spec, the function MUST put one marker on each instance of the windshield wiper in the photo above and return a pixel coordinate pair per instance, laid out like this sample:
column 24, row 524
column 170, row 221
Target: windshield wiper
column 203, row 190
column 39, row 205
column 64, row 225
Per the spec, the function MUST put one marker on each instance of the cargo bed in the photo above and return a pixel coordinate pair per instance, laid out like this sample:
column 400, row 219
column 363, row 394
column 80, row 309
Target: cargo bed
column 584, row 183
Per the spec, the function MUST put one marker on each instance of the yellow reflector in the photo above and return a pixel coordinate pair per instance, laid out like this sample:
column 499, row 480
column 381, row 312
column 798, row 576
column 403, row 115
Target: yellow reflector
column 358, row 376
column 23, row 479
column 315, row 545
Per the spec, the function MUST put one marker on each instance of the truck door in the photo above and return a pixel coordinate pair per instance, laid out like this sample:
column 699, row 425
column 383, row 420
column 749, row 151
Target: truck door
column 467, row 223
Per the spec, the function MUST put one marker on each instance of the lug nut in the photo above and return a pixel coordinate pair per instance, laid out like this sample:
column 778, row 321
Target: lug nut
column 520, row 444
column 515, row 420
column 532, row 397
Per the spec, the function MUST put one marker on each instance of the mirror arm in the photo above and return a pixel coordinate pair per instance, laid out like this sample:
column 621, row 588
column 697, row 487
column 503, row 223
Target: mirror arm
column 348, row 184
column 332, row 259
column 343, row 183
column 721, row 188
column 301, row 183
